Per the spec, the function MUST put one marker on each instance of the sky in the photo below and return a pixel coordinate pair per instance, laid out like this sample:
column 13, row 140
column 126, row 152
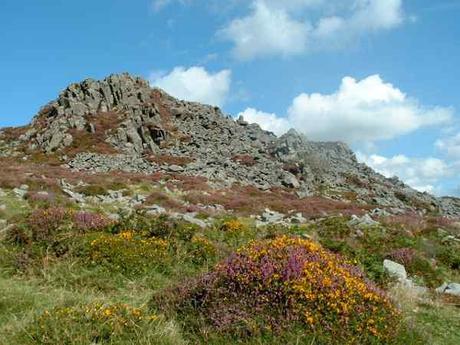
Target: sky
column 380, row 75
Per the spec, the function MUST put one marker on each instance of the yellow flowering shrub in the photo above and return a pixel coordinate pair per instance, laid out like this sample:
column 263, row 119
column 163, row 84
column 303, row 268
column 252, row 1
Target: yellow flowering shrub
column 233, row 226
column 95, row 323
column 201, row 249
column 286, row 282
column 128, row 252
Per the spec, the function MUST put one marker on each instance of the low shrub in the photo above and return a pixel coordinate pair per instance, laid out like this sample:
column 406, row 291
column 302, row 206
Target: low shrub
column 92, row 190
column 403, row 256
column 202, row 250
column 46, row 198
column 233, row 226
column 334, row 227
column 158, row 227
column 128, row 252
column 45, row 223
column 449, row 255
column 281, row 284
column 94, row 323
column 86, row 221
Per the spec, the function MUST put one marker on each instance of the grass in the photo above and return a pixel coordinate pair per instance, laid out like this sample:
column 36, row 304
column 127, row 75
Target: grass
column 61, row 272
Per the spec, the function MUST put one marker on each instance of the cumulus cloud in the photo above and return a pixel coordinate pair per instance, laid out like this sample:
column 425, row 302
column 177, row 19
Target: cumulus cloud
column 195, row 84
column 267, row 31
column 450, row 146
column 267, row 121
column 295, row 26
column 422, row 174
column 360, row 111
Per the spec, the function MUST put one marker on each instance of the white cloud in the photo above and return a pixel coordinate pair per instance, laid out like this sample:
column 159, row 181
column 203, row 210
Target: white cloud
column 450, row 146
column 295, row 26
column 267, row 31
column 268, row 122
column 195, row 84
column 359, row 112
column 422, row 174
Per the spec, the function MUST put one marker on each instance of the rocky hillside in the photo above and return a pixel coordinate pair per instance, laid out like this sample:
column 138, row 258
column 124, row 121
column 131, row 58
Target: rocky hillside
column 121, row 124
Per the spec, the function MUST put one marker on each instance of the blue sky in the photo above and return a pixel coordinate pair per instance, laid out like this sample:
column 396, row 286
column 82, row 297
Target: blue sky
column 381, row 75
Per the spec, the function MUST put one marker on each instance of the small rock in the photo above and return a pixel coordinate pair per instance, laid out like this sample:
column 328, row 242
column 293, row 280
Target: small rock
column 114, row 216
column 289, row 180
column 139, row 198
column 378, row 212
column 79, row 198
column 2, row 207
column 21, row 191
column 359, row 233
column 449, row 288
column 153, row 210
column 450, row 238
column 191, row 219
column 364, row 221
column 298, row 218
column 395, row 270
column 175, row 168
column 272, row 216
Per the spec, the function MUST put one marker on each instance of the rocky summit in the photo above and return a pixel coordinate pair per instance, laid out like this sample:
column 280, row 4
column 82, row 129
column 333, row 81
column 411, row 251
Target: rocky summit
column 122, row 124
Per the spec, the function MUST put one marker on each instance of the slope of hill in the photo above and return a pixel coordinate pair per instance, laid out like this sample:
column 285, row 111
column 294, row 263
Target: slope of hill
column 121, row 124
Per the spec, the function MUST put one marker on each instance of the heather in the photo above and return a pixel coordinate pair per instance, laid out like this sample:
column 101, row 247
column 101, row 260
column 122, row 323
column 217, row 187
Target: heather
column 277, row 285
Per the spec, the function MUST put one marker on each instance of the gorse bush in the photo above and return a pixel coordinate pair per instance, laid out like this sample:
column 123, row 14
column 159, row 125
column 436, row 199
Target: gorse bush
column 95, row 323
column 273, row 286
column 128, row 252
column 201, row 249
column 233, row 226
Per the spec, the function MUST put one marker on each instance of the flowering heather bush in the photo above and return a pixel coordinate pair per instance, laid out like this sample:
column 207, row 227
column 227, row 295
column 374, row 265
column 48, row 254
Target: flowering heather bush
column 94, row 323
column 90, row 221
column 276, row 285
column 45, row 223
column 128, row 252
column 38, row 197
column 404, row 256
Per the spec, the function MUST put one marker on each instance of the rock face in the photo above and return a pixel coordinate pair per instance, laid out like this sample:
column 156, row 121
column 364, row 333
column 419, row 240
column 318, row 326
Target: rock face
column 141, row 124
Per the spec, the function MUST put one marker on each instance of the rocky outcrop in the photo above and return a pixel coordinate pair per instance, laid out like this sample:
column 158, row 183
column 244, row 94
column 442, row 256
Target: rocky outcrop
column 136, row 121
column 80, row 103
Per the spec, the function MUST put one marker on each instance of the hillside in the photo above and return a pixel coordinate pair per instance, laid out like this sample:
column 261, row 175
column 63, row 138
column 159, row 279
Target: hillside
column 130, row 217
column 121, row 124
